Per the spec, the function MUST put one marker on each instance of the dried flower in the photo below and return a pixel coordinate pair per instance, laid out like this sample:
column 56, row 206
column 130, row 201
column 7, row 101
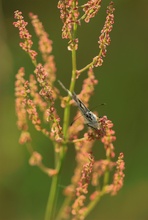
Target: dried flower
column 20, row 94
column 118, row 176
column 34, row 93
column 24, row 137
column 24, row 34
column 35, row 159
column 69, row 16
column 47, row 93
column 91, row 8
column 45, row 44
column 50, row 67
column 33, row 114
column 104, row 39
column 82, row 188
column 108, row 138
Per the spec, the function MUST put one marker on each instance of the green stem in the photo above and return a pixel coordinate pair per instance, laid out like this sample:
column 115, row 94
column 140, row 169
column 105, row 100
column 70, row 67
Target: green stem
column 66, row 120
column 51, row 204
column 72, row 85
column 89, row 65
column 85, row 68
column 51, row 199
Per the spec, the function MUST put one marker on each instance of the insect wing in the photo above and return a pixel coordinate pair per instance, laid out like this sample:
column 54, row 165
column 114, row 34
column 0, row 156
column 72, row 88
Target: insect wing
column 80, row 104
column 90, row 118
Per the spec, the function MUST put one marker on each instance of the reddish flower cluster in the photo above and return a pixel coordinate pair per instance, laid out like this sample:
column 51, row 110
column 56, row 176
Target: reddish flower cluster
column 45, row 47
column 82, row 188
column 20, row 93
column 45, row 77
column 35, row 159
column 91, row 8
column 47, row 93
column 45, row 44
column 118, row 176
column 104, row 39
column 98, row 134
column 34, row 92
column 108, row 139
column 24, row 137
column 69, row 16
column 25, row 106
column 33, row 114
column 24, row 34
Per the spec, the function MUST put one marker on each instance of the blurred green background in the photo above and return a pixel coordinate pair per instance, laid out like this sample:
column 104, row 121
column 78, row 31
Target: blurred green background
column 123, row 85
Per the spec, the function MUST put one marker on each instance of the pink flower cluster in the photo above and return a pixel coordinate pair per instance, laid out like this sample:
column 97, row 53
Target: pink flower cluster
column 24, row 34
column 20, row 94
column 104, row 39
column 108, row 139
column 91, row 8
column 69, row 16
column 45, row 44
column 82, row 188
column 38, row 91
column 119, row 175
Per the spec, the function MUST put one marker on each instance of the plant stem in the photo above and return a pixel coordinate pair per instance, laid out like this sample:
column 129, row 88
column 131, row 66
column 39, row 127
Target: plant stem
column 89, row 65
column 51, row 204
column 51, row 199
column 72, row 85
column 85, row 68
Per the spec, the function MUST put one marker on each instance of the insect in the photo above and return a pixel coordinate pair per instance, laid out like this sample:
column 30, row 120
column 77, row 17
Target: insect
column 89, row 117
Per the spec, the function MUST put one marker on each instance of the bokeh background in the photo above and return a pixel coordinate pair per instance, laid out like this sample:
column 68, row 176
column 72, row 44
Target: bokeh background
column 123, row 85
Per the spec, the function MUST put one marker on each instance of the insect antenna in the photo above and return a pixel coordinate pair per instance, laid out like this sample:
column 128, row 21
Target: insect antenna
column 75, row 119
column 61, row 84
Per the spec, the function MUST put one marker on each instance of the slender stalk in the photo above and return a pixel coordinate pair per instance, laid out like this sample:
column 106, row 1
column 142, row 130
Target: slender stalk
column 85, row 68
column 89, row 65
column 66, row 117
column 72, row 85
column 51, row 199
column 51, row 204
